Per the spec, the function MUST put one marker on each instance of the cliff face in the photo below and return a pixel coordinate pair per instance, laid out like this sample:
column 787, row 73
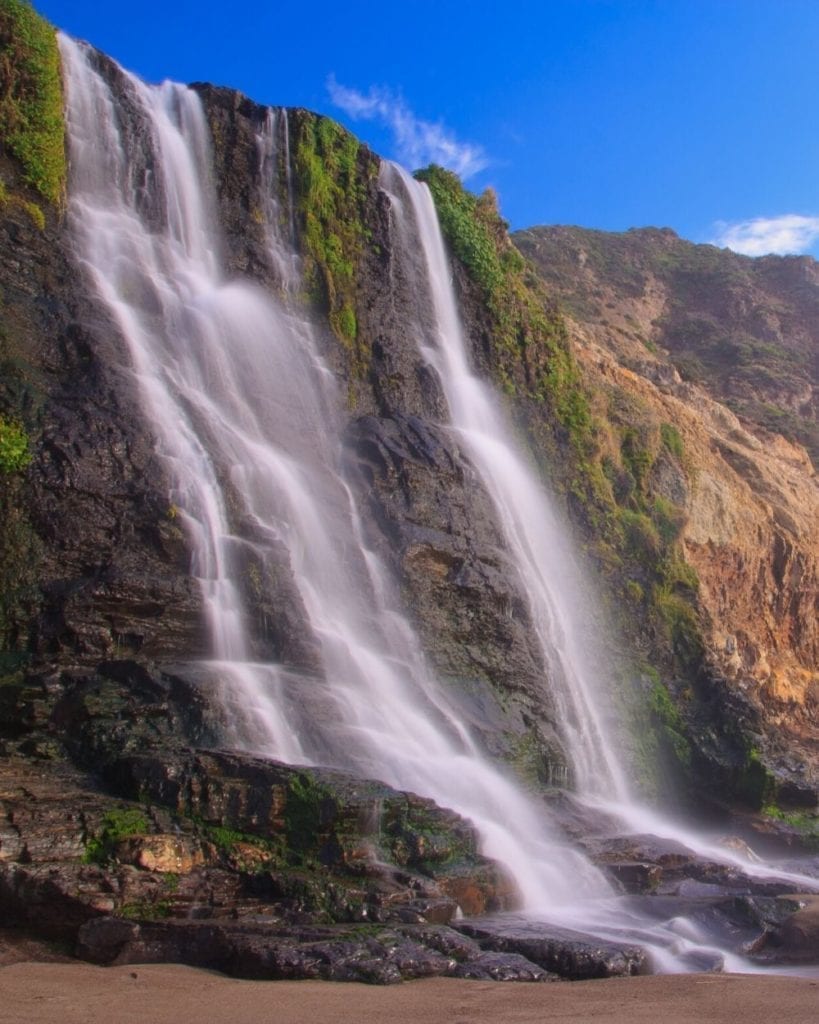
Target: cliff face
column 651, row 469
column 703, row 534
column 725, row 349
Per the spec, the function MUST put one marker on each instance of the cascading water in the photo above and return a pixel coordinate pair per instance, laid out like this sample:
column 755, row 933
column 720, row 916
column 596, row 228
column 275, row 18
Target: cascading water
column 550, row 577
column 245, row 414
column 537, row 541
column 248, row 420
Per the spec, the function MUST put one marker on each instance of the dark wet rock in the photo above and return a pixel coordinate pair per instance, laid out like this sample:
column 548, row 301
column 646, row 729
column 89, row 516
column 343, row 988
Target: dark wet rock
column 443, row 542
column 502, row 967
column 647, row 863
column 447, row 941
column 669, row 854
column 571, row 954
column 265, row 951
column 636, row 876
column 793, row 938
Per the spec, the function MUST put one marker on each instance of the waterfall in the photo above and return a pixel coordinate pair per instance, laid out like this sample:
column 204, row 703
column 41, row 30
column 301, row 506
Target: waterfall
column 246, row 414
column 537, row 540
column 247, row 421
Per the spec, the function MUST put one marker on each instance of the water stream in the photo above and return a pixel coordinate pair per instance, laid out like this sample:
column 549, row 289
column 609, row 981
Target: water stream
column 247, row 420
column 246, row 414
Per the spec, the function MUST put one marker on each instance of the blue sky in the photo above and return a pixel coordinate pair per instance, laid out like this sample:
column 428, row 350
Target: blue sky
column 698, row 115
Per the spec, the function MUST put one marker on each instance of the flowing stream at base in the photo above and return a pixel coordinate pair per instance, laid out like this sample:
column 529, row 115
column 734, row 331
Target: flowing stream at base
column 247, row 421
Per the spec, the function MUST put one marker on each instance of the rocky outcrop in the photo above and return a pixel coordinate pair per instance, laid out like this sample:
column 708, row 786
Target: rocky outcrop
column 93, row 561
column 201, row 839
column 707, row 353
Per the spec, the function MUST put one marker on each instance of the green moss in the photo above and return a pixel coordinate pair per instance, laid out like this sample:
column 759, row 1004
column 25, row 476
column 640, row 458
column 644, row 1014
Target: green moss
column 119, row 823
column 31, row 98
column 229, row 840
column 636, row 455
column 661, row 751
column 665, row 719
column 146, row 910
column 467, row 223
column 331, row 191
column 642, row 540
column 532, row 762
column 345, row 324
column 308, row 805
column 753, row 784
column 14, row 447
column 804, row 822
column 668, row 518
column 680, row 622
column 671, row 439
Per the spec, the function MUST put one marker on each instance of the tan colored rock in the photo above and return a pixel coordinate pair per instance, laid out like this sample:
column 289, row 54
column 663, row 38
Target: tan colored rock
column 161, row 853
column 752, row 534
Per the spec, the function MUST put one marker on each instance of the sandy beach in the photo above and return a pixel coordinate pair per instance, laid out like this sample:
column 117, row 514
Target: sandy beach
column 78, row 993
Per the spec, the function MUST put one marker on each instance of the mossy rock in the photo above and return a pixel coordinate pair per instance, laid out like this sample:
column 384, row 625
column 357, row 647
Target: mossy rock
column 31, row 99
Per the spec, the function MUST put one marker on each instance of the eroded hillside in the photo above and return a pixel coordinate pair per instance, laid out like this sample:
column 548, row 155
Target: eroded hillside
column 724, row 349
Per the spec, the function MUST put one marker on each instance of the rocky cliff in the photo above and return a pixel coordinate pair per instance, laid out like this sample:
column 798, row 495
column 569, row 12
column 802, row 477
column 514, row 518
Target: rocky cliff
column 713, row 356
column 117, row 797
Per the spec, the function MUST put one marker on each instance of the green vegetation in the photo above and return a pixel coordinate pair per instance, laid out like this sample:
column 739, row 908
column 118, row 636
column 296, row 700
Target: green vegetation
column 226, row 839
column 307, row 802
column 804, row 822
column 14, row 449
column 636, row 456
column 119, row 823
column 671, row 439
column 31, row 100
column 146, row 910
column 331, row 184
column 663, row 751
column 532, row 355
column 753, row 784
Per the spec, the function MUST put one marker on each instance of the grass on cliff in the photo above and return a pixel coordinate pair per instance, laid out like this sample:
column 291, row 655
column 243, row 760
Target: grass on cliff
column 31, row 99
column 331, row 186
column 533, row 358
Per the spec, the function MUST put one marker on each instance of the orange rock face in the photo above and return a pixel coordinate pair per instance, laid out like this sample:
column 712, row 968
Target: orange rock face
column 644, row 305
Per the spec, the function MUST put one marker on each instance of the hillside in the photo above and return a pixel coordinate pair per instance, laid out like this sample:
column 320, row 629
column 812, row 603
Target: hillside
column 725, row 349
column 746, row 329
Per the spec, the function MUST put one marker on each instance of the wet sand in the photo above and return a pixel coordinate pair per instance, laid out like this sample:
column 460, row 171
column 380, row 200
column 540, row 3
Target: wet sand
column 78, row 993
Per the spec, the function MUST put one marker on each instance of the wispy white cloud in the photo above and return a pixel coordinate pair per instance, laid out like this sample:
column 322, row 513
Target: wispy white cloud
column 417, row 142
column 791, row 233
